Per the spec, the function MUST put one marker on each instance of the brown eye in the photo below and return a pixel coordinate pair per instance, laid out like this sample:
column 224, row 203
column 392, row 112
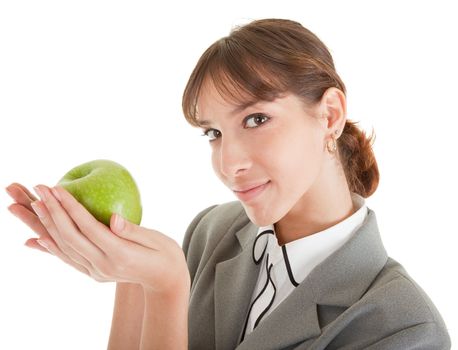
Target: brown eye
column 258, row 119
column 209, row 132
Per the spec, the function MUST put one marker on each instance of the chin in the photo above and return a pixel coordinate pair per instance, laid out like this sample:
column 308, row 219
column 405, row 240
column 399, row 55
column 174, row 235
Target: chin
column 258, row 220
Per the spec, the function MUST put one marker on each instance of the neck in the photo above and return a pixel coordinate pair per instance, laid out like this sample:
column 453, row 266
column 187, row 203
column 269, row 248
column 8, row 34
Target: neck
column 323, row 205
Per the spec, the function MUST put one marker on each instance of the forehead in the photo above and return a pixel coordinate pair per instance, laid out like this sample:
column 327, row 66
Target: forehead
column 210, row 100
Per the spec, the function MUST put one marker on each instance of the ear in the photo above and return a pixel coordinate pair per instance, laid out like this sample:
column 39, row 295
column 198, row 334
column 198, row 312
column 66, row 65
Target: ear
column 333, row 107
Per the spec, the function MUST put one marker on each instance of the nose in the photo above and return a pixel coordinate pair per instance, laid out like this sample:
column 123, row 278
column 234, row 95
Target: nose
column 234, row 157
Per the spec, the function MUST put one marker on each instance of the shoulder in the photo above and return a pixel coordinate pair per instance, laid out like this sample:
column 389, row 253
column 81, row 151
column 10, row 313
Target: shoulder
column 399, row 306
column 393, row 313
column 208, row 228
column 401, row 295
column 211, row 222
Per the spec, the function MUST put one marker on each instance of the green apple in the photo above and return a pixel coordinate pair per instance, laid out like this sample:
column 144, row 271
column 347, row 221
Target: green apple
column 104, row 187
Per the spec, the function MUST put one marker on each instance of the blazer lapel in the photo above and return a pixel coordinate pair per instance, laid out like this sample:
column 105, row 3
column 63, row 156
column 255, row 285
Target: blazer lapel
column 345, row 275
column 235, row 280
column 293, row 321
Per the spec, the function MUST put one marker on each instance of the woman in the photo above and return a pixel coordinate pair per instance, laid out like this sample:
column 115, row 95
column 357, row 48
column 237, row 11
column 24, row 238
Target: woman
column 297, row 262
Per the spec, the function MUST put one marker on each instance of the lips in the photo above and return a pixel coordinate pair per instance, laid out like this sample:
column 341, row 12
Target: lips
column 247, row 188
column 252, row 192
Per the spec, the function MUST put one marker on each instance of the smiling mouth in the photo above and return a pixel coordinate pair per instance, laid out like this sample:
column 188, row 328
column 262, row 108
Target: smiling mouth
column 251, row 194
column 251, row 188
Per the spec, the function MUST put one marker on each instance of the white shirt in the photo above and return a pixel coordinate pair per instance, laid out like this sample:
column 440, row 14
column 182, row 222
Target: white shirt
column 293, row 261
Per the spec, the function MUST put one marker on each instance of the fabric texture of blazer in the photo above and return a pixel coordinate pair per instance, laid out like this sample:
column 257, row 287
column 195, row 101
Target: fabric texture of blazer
column 357, row 298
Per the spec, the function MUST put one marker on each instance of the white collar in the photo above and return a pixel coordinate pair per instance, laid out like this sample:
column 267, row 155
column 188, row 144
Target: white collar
column 302, row 255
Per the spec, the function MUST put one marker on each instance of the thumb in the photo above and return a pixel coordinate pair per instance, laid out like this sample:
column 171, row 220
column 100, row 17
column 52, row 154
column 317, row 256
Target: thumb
column 125, row 229
column 121, row 226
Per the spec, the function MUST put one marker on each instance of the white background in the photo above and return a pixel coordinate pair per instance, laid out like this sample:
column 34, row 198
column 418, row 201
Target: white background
column 82, row 80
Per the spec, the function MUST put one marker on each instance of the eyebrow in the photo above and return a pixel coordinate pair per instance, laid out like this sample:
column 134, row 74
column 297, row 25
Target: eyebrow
column 234, row 111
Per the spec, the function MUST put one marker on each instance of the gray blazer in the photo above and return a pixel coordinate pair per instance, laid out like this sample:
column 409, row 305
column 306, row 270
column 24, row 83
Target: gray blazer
column 358, row 298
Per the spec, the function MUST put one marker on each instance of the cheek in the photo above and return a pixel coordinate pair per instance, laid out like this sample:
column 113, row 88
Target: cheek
column 300, row 160
column 215, row 163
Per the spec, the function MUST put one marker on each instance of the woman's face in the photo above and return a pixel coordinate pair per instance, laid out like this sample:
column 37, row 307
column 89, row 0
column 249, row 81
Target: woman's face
column 274, row 143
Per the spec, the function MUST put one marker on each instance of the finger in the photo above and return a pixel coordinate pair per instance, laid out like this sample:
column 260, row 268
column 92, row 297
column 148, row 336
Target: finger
column 30, row 219
column 17, row 186
column 52, row 248
column 32, row 243
column 148, row 238
column 69, row 230
column 94, row 230
column 46, row 220
column 26, row 190
column 21, row 194
column 61, row 247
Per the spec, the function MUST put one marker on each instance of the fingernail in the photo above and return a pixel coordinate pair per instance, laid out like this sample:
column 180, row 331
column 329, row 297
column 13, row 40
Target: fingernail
column 37, row 209
column 56, row 194
column 9, row 192
column 40, row 193
column 11, row 210
column 119, row 222
column 43, row 244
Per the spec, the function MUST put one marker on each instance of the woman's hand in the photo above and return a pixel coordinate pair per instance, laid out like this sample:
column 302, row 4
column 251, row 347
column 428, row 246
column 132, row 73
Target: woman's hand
column 125, row 252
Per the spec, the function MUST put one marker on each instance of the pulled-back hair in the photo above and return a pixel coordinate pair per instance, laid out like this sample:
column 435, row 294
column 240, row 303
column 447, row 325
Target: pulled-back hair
column 266, row 58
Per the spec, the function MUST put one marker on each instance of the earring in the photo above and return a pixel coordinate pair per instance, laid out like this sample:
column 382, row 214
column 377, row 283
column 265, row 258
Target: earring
column 332, row 147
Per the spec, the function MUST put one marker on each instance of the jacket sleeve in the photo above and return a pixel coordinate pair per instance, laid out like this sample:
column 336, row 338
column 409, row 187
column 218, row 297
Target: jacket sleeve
column 423, row 336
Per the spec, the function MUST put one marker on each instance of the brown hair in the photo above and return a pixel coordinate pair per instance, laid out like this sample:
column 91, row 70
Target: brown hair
column 266, row 58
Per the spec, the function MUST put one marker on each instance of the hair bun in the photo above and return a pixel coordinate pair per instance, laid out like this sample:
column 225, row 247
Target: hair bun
column 358, row 159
